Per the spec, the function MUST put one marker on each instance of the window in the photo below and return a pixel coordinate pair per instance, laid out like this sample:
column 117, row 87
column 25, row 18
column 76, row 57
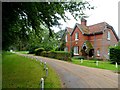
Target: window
column 76, row 36
column 108, row 35
column 66, row 49
column 66, row 38
column 98, row 52
column 76, row 51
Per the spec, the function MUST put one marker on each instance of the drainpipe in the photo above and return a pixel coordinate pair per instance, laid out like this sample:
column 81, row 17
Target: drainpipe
column 70, row 46
column 94, row 45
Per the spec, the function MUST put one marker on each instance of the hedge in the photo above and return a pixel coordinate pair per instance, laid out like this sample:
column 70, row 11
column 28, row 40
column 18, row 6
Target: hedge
column 115, row 54
column 38, row 51
column 61, row 55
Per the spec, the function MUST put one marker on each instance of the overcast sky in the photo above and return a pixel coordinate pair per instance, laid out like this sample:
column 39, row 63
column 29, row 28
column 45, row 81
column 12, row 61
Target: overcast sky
column 105, row 11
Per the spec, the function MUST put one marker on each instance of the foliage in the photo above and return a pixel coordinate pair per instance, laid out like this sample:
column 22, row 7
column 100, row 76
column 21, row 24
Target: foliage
column 22, row 72
column 28, row 18
column 32, row 49
column 38, row 51
column 115, row 54
column 61, row 55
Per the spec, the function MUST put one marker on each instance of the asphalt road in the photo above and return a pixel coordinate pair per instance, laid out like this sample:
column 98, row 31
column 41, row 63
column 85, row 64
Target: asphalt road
column 76, row 76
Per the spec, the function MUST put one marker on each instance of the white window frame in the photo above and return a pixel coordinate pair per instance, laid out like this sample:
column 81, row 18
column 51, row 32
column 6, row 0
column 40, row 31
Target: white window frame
column 76, row 36
column 66, row 37
column 108, row 35
column 98, row 52
column 66, row 49
column 76, row 50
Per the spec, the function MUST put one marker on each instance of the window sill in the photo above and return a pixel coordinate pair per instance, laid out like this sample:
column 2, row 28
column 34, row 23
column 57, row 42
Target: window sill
column 76, row 39
column 76, row 54
column 108, row 39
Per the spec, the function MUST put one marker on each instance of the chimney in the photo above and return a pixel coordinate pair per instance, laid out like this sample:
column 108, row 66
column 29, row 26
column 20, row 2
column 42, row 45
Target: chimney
column 83, row 21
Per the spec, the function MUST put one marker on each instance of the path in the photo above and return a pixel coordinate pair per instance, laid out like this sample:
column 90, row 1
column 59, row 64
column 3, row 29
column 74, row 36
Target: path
column 76, row 76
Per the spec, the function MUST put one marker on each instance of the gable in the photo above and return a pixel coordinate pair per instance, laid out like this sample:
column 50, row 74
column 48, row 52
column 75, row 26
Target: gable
column 82, row 29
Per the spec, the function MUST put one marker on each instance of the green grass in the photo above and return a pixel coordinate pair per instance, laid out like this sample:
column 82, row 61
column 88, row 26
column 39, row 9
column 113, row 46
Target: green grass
column 23, row 52
column 23, row 72
column 92, row 63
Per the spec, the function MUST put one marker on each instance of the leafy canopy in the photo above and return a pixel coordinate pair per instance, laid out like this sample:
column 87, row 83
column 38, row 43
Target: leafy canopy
column 20, row 19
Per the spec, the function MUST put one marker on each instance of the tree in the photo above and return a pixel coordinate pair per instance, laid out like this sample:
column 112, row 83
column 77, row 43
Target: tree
column 19, row 19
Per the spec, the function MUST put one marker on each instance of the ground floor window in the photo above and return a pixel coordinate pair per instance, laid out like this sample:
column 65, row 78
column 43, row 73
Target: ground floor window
column 66, row 49
column 76, row 51
column 98, row 52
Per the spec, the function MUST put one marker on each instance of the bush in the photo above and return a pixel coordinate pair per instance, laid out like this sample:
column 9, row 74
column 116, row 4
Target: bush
column 32, row 50
column 79, row 57
column 38, row 51
column 115, row 54
column 61, row 55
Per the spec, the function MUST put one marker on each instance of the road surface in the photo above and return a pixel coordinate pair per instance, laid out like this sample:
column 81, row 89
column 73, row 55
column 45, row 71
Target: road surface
column 76, row 76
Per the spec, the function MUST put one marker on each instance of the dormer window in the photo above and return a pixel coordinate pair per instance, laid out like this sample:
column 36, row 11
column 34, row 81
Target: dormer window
column 76, row 36
column 66, row 38
column 108, row 35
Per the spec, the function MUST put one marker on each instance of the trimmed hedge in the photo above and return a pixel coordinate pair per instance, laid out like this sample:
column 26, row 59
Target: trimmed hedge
column 115, row 54
column 38, row 51
column 61, row 55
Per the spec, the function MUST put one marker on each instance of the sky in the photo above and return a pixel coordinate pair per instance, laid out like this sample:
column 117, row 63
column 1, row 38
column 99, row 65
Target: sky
column 105, row 11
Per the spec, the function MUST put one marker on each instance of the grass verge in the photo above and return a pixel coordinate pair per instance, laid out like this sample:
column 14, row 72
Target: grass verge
column 23, row 72
column 92, row 63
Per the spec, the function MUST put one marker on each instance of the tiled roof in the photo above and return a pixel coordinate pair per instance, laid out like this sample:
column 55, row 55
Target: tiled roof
column 92, row 29
column 97, row 27
column 83, row 28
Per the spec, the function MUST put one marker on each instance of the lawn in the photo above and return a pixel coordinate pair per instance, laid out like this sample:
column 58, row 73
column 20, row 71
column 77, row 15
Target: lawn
column 23, row 52
column 23, row 72
column 92, row 63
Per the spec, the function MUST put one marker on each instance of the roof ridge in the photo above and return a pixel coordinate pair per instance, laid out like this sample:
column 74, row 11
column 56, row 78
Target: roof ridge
column 98, row 24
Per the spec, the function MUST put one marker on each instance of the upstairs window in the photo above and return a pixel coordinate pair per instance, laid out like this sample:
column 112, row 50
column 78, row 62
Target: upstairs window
column 66, row 38
column 108, row 35
column 76, row 36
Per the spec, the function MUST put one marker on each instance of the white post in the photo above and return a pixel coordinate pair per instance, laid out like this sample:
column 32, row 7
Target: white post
column 44, row 65
column 96, row 63
column 41, row 62
column 116, row 65
column 42, row 83
column 81, row 60
column 36, row 59
column 46, row 72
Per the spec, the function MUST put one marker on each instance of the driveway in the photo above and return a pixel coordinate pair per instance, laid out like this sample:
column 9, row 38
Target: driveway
column 76, row 76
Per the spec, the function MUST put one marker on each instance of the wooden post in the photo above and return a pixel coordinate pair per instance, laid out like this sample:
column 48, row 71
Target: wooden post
column 46, row 72
column 96, row 63
column 41, row 62
column 42, row 83
column 81, row 60
column 116, row 65
column 44, row 65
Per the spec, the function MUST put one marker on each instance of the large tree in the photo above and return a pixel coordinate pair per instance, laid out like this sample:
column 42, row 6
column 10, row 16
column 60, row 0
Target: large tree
column 20, row 19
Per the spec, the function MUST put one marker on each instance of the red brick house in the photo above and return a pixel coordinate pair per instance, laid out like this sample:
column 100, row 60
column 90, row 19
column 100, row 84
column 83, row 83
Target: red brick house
column 90, row 41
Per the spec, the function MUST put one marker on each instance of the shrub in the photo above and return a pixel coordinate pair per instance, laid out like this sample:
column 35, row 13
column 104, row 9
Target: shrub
column 115, row 54
column 61, row 55
column 79, row 57
column 43, row 53
column 38, row 51
column 32, row 50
